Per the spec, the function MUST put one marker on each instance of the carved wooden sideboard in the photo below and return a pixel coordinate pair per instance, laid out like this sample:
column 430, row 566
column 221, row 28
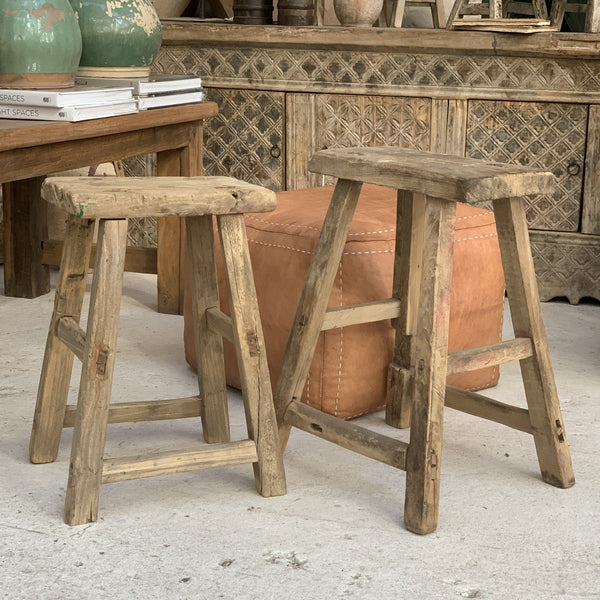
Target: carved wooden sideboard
column 532, row 99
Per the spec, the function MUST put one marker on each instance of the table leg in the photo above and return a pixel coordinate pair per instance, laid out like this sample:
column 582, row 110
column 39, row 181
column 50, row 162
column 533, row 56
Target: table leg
column 187, row 162
column 25, row 228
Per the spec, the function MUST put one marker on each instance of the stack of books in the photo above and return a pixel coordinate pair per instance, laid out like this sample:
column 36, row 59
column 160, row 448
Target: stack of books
column 78, row 103
column 155, row 91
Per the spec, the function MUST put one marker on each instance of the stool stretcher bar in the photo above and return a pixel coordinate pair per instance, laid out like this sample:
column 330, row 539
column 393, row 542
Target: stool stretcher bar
column 178, row 461
column 352, row 437
column 479, row 405
column 150, row 410
column 489, row 355
column 369, row 312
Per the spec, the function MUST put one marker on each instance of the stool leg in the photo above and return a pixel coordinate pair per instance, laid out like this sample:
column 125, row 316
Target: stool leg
column 538, row 377
column 314, row 299
column 58, row 359
column 252, row 357
column 431, row 352
column 407, row 280
column 209, row 345
column 85, row 468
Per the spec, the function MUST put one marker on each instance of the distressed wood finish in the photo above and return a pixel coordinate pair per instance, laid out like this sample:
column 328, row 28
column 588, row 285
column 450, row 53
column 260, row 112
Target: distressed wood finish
column 410, row 215
column 137, row 260
column 538, row 377
column 486, row 408
column 92, row 197
column 55, row 376
column 89, row 435
column 420, row 312
column 487, row 356
column 313, row 301
column 196, row 201
column 71, row 335
column 429, row 378
column 178, row 461
column 590, row 218
column 209, row 345
column 252, row 356
column 347, row 435
column 369, row 312
column 454, row 179
column 152, row 410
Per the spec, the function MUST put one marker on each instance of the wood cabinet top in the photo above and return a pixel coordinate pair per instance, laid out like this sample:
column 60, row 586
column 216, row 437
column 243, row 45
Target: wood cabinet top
column 565, row 45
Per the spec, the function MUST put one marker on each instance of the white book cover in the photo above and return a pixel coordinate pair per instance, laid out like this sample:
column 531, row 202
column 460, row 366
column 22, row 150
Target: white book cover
column 161, row 100
column 67, row 113
column 75, row 96
column 143, row 86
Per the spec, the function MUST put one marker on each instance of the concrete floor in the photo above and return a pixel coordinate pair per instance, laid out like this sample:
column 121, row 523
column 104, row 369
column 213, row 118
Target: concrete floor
column 503, row 534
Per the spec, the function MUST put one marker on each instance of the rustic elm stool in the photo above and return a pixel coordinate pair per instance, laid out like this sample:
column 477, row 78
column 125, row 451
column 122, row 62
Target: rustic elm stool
column 112, row 201
column 429, row 186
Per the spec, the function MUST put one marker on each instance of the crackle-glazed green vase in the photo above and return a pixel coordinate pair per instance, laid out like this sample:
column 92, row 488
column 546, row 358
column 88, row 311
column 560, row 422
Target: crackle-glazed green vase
column 120, row 37
column 40, row 44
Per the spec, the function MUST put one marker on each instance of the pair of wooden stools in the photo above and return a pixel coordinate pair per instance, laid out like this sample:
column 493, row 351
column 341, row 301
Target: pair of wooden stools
column 429, row 186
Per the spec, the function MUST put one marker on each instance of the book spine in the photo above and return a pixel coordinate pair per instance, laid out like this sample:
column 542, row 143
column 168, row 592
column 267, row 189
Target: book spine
column 35, row 113
column 29, row 98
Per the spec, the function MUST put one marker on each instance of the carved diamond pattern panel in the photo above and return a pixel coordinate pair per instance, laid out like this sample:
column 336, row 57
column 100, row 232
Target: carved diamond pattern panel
column 541, row 135
column 141, row 232
column 298, row 67
column 344, row 121
column 245, row 140
column 567, row 267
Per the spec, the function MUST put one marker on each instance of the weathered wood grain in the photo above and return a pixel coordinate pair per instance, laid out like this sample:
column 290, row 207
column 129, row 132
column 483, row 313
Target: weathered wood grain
column 440, row 176
column 114, row 198
column 178, row 461
column 55, row 376
column 85, row 467
column 348, row 435
column 209, row 345
column 252, row 356
column 538, row 376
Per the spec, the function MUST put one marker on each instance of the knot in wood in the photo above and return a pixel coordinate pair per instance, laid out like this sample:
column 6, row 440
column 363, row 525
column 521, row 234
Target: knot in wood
column 253, row 343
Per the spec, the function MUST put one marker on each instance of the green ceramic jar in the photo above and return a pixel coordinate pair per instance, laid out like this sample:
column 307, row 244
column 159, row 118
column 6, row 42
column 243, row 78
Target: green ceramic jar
column 40, row 44
column 119, row 36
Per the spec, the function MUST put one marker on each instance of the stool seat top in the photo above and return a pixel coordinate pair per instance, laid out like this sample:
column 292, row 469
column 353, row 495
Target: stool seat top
column 452, row 178
column 123, row 197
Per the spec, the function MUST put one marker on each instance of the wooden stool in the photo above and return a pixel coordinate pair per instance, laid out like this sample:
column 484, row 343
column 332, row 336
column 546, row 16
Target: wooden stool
column 429, row 185
column 112, row 201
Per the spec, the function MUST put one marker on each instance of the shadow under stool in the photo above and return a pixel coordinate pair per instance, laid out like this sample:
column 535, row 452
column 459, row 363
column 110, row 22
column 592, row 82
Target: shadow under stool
column 112, row 201
column 428, row 187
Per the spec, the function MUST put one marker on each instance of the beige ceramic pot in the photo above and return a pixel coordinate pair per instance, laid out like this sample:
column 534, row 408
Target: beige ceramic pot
column 357, row 13
column 168, row 9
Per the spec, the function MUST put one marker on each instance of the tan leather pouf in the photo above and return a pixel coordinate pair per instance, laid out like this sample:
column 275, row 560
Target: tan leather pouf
column 349, row 370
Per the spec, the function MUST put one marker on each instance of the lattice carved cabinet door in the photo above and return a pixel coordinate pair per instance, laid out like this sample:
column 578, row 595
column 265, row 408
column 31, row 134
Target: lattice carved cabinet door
column 141, row 232
column 546, row 135
column 317, row 121
column 245, row 140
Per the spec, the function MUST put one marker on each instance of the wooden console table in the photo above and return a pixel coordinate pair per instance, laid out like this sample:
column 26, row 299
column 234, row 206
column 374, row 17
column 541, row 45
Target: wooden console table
column 286, row 92
column 29, row 150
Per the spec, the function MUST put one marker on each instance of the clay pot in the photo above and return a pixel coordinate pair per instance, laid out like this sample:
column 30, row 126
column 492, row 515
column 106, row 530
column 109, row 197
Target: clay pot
column 40, row 43
column 357, row 13
column 167, row 9
column 119, row 38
